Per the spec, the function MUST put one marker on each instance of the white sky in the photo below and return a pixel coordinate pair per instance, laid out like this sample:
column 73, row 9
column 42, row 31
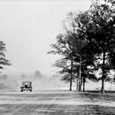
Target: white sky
column 29, row 27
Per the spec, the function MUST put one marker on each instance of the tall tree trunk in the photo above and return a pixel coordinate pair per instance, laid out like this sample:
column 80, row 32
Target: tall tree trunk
column 80, row 79
column 103, row 75
column 77, row 84
column 83, row 84
column 71, row 77
column 70, row 88
column 103, row 86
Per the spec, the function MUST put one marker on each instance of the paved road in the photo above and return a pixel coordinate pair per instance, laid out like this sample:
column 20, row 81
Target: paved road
column 53, row 103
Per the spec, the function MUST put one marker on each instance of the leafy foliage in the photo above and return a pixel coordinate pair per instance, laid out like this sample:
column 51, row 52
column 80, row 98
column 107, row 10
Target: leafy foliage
column 3, row 60
column 88, row 41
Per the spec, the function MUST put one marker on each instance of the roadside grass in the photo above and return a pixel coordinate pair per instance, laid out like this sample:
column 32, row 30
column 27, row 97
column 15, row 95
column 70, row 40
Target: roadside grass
column 107, row 96
column 62, row 109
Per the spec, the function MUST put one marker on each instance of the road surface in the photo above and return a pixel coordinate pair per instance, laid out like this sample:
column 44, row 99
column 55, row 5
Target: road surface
column 55, row 103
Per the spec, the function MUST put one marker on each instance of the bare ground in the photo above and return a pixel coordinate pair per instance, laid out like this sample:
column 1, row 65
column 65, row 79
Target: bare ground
column 56, row 103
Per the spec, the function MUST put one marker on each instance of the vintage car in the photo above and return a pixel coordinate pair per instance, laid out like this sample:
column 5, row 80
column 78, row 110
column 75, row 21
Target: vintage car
column 26, row 86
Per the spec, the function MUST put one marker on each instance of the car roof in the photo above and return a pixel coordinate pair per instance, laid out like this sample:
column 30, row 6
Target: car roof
column 26, row 82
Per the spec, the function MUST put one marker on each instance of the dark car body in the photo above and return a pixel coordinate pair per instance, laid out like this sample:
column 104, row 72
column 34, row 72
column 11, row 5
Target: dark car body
column 26, row 86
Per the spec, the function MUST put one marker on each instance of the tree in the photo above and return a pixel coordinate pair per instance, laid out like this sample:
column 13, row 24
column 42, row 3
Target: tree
column 65, row 71
column 3, row 60
column 100, row 32
column 63, row 47
column 83, row 53
column 75, row 48
column 37, row 74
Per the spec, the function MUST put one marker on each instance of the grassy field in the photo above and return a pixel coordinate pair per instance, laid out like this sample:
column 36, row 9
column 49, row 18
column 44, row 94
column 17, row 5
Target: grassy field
column 56, row 103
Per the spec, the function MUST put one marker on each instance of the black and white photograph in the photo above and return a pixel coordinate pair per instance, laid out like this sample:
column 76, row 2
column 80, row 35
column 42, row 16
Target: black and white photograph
column 57, row 57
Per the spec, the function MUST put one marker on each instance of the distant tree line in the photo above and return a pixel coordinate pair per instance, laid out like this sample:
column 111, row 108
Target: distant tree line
column 87, row 44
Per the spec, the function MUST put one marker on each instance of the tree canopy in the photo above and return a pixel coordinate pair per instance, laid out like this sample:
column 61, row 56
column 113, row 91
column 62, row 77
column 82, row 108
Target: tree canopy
column 88, row 41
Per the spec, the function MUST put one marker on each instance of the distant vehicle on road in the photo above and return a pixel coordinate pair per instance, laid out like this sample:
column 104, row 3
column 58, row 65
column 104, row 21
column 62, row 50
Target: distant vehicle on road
column 26, row 86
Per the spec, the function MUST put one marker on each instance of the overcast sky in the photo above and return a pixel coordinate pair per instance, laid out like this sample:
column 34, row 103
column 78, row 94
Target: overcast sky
column 29, row 27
